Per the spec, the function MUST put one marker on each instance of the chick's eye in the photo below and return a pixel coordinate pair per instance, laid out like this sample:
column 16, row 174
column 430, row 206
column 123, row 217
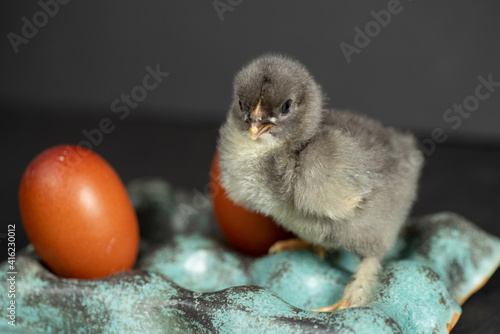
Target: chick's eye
column 241, row 107
column 285, row 109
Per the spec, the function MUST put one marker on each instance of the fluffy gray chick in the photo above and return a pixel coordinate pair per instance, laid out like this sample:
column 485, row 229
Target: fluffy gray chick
column 336, row 179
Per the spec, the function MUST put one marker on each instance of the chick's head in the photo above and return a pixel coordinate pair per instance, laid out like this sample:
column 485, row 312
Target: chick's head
column 275, row 95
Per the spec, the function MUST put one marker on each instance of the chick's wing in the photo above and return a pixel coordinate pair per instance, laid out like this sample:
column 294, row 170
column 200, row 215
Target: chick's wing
column 334, row 177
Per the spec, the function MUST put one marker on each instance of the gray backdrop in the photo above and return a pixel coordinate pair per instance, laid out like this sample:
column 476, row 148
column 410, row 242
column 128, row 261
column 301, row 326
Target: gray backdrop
column 417, row 64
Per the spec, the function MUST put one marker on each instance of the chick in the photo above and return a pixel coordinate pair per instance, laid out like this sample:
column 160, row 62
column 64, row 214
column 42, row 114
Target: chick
column 335, row 179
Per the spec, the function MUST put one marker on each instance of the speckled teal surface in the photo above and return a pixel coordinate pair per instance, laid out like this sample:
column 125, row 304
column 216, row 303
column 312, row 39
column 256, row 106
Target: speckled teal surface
column 193, row 283
column 198, row 263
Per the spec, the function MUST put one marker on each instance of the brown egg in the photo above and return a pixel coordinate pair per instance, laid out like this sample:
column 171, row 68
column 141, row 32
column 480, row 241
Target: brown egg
column 77, row 214
column 248, row 231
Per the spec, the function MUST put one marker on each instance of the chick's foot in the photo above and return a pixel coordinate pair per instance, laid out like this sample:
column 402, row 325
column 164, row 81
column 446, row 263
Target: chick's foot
column 296, row 244
column 359, row 291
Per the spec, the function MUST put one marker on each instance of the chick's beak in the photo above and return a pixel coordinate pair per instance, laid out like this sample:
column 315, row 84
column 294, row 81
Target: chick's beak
column 257, row 126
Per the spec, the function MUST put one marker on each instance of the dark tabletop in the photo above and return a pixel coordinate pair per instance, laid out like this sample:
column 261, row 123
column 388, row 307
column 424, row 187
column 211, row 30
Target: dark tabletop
column 461, row 176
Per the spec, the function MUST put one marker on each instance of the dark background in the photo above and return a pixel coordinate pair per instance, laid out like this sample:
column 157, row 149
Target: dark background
column 424, row 61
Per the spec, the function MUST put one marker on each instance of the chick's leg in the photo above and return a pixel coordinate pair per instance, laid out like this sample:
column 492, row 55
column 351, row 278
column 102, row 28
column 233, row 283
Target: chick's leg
column 296, row 244
column 359, row 291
